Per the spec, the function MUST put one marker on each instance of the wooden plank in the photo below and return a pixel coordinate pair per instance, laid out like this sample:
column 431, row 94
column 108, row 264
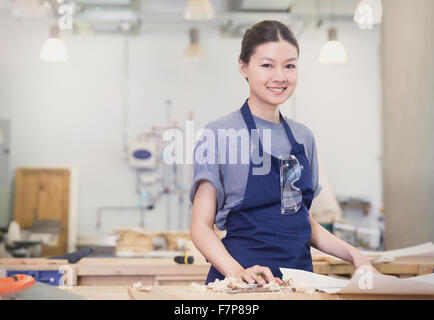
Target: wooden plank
column 402, row 268
column 101, row 293
column 175, row 277
column 127, row 261
column 116, row 271
column 425, row 269
column 186, row 293
column 180, row 279
column 415, row 259
column 144, row 269
column 32, row 261
column 33, row 267
column 164, row 293
column 327, row 268
column 397, row 268
column 121, row 266
column 144, row 279
column 115, row 280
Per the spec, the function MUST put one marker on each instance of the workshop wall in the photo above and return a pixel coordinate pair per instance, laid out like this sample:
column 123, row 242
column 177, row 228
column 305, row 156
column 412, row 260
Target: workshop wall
column 71, row 113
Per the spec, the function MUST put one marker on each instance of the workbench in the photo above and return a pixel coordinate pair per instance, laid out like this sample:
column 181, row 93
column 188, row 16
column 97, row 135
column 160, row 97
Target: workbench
column 400, row 268
column 113, row 271
column 116, row 271
column 184, row 292
column 121, row 271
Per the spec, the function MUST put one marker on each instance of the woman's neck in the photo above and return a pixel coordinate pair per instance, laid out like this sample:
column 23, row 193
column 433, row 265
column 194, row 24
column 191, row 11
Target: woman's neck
column 263, row 110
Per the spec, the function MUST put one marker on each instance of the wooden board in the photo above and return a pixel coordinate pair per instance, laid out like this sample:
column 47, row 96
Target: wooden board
column 118, row 266
column 119, row 271
column 186, row 293
column 101, row 292
column 167, row 293
column 124, row 272
column 43, row 194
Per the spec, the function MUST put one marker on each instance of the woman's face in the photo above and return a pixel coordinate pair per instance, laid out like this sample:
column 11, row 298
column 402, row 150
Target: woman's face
column 272, row 72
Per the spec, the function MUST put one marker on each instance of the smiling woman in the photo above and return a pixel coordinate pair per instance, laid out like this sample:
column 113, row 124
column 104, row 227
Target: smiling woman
column 268, row 61
column 272, row 80
column 260, row 236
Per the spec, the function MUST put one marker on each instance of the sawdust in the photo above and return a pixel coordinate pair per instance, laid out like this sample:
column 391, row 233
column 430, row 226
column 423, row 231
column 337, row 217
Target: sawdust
column 138, row 286
column 232, row 285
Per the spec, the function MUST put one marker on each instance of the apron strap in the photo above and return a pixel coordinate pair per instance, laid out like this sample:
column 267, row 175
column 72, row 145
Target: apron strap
column 296, row 147
column 250, row 122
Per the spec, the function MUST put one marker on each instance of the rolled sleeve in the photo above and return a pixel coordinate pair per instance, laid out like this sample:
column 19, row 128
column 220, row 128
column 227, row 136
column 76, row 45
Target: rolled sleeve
column 204, row 170
column 204, row 174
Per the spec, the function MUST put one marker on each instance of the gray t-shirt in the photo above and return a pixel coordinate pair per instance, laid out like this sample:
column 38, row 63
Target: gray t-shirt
column 230, row 179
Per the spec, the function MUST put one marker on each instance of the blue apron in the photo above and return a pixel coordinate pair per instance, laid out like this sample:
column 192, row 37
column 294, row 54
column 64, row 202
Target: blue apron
column 257, row 233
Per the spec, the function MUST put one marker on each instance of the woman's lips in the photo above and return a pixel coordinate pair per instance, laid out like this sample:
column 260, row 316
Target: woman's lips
column 276, row 90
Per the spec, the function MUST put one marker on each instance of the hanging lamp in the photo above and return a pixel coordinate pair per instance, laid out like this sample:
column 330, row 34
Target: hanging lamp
column 194, row 50
column 53, row 49
column 198, row 10
column 332, row 52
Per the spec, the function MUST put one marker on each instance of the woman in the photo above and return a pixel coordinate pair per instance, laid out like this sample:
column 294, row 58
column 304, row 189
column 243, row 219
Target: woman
column 261, row 237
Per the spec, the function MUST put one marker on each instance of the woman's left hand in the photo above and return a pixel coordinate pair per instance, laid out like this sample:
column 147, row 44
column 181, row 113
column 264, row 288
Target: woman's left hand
column 360, row 261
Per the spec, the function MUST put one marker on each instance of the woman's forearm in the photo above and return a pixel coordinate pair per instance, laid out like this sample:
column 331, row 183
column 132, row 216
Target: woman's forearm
column 210, row 245
column 323, row 240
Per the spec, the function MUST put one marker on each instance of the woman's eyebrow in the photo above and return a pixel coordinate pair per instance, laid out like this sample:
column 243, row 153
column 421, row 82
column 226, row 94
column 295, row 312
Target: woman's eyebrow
column 291, row 59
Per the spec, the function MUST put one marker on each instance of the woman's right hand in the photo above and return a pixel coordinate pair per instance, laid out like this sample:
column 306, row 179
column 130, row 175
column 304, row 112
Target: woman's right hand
column 256, row 274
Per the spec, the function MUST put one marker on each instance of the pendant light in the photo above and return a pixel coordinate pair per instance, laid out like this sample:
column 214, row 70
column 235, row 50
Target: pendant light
column 198, row 10
column 333, row 52
column 368, row 13
column 194, row 50
column 53, row 49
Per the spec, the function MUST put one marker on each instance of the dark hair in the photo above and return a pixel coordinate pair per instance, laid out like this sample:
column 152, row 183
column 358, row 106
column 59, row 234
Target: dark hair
column 262, row 32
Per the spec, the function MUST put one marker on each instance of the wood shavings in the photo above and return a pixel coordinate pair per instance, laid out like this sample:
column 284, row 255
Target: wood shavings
column 298, row 285
column 225, row 284
column 232, row 285
column 138, row 286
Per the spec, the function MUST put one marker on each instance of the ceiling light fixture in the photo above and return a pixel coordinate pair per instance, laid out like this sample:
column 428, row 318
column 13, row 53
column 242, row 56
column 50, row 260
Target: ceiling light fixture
column 194, row 50
column 332, row 52
column 198, row 10
column 53, row 49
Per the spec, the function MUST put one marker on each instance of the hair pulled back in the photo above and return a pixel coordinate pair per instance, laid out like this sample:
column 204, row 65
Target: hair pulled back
column 263, row 32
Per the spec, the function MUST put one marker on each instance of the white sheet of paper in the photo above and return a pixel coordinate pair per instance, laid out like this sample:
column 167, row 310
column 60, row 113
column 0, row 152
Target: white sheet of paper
column 429, row 278
column 424, row 249
column 421, row 249
column 363, row 283
column 374, row 283
column 313, row 279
